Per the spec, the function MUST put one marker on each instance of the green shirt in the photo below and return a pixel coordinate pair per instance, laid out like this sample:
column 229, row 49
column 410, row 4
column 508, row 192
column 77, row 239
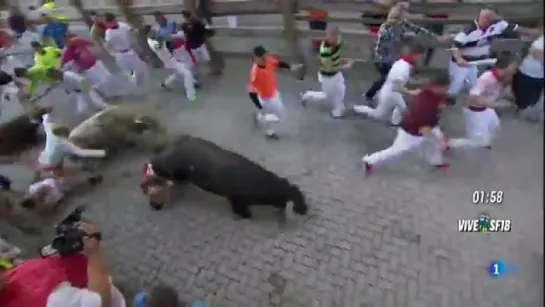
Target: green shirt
column 51, row 58
column 330, row 59
column 36, row 74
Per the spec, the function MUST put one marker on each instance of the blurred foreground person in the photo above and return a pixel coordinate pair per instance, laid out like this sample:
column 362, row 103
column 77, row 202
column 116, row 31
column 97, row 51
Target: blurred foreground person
column 76, row 280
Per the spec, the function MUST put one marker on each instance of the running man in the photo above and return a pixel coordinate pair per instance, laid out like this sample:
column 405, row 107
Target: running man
column 119, row 42
column 46, row 56
column 419, row 128
column 180, row 70
column 330, row 76
column 73, row 83
column 263, row 82
column 391, row 94
column 79, row 56
column 482, row 122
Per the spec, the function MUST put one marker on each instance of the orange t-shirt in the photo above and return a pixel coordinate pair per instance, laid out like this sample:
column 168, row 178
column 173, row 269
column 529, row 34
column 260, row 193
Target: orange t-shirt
column 263, row 80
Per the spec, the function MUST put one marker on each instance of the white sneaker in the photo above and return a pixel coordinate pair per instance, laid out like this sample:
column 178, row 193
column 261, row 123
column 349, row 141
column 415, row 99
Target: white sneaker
column 360, row 109
column 337, row 113
column 271, row 118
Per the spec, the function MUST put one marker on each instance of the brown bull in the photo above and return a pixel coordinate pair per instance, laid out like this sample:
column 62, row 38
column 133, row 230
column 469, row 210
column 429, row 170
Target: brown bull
column 120, row 127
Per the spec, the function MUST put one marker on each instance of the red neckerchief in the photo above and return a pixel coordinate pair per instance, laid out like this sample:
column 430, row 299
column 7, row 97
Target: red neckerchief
column 409, row 58
column 497, row 74
column 113, row 25
column 148, row 174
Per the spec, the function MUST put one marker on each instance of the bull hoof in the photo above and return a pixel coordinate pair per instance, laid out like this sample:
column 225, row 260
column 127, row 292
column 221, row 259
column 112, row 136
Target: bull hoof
column 157, row 206
column 243, row 215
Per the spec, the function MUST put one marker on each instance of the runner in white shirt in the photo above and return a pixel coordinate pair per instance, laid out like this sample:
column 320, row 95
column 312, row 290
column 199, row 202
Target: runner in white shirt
column 119, row 42
column 528, row 81
column 482, row 122
column 57, row 147
column 77, row 86
column 391, row 94
column 180, row 70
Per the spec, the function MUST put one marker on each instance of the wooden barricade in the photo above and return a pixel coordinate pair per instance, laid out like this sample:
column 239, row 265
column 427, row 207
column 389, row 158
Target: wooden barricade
column 289, row 40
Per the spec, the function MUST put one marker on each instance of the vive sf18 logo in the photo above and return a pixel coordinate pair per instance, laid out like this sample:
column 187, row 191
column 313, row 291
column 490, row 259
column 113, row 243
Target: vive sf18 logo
column 484, row 224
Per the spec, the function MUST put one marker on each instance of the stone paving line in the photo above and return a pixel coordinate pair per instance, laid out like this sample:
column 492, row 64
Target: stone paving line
column 387, row 240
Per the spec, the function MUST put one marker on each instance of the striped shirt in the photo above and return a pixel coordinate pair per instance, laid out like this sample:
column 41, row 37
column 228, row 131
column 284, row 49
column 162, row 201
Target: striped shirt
column 474, row 42
column 330, row 59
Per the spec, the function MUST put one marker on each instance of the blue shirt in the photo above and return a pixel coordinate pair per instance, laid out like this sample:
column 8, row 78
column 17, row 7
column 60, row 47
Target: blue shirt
column 165, row 30
column 55, row 30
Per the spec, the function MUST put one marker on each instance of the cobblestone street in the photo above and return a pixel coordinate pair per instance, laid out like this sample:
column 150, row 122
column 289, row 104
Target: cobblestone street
column 387, row 240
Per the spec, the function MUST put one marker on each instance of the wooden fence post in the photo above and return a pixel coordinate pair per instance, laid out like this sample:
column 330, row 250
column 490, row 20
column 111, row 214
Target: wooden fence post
column 291, row 34
column 78, row 4
column 137, row 23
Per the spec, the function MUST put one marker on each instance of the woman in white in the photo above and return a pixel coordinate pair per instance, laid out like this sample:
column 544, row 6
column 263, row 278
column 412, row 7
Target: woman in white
column 57, row 147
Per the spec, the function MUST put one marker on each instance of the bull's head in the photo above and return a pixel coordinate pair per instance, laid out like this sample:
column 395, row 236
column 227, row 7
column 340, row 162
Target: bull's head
column 157, row 189
column 144, row 123
column 296, row 203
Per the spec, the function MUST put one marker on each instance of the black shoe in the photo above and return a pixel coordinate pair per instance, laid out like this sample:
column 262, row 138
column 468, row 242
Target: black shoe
column 272, row 136
column 95, row 179
column 164, row 86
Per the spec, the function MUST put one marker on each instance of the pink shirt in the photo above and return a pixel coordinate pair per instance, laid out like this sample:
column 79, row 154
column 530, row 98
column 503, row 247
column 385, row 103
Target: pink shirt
column 78, row 51
column 488, row 86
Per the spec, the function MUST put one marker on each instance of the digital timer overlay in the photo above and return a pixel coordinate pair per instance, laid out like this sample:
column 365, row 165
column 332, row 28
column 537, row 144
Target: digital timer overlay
column 499, row 268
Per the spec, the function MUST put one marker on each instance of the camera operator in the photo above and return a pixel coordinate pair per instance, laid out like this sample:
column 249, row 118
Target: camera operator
column 77, row 280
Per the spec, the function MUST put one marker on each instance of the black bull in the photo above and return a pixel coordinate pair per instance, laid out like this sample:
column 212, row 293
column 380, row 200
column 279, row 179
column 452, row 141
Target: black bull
column 18, row 135
column 214, row 169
